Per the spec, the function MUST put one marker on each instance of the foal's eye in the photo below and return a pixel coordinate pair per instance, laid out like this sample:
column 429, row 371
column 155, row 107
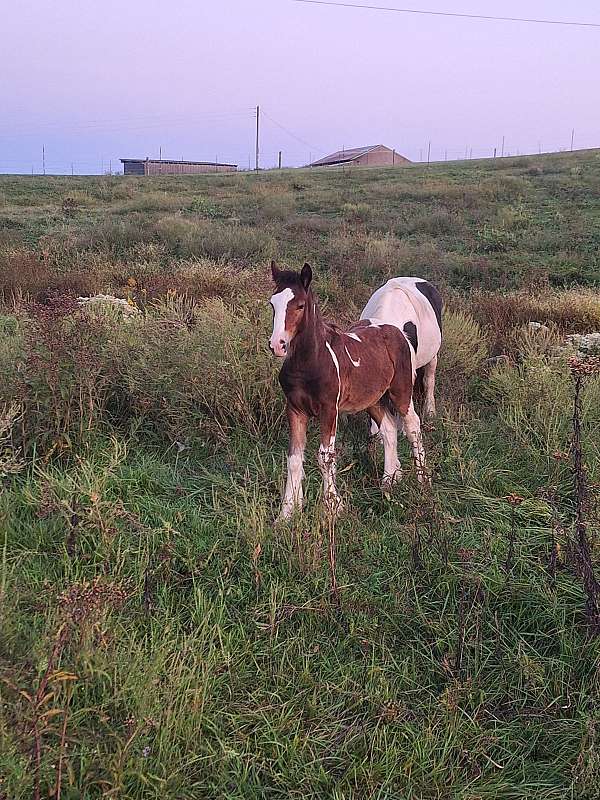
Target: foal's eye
column 301, row 306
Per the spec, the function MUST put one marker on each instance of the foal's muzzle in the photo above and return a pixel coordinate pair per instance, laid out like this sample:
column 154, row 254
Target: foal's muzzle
column 278, row 348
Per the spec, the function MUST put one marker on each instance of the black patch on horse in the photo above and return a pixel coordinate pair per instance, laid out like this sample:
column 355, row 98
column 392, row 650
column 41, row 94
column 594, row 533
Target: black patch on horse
column 434, row 297
column 410, row 329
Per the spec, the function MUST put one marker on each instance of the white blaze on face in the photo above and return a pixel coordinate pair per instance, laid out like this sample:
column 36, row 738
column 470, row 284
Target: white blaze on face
column 280, row 338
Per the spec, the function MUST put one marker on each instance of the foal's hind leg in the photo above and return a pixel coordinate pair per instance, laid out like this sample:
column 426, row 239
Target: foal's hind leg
column 429, row 382
column 392, row 471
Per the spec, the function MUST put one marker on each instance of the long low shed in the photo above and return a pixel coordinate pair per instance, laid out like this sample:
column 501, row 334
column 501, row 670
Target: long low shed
column 151, row 166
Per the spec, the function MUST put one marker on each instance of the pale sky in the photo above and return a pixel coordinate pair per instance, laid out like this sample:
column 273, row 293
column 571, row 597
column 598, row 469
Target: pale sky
column 96, row 81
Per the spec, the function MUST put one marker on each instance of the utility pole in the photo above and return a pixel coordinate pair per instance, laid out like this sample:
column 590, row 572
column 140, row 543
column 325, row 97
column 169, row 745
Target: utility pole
column 279, row 161
column 572, row 138
column 446, row 155
column 502, row 146
column 429, row 152
column 110, row 166
column 471, row 153
column 257, row 133
column 494, row 152
column 71, row 168
column 44, row 159
column 160, row 153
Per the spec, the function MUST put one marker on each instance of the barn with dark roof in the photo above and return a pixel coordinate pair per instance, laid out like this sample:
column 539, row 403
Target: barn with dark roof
column 376, row 155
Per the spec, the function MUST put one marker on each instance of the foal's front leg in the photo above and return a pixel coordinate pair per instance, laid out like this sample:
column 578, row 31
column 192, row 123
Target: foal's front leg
column 326, row 460
column 292, row 497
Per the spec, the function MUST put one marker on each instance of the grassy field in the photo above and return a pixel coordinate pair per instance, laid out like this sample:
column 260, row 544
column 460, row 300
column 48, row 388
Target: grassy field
column 159, row 637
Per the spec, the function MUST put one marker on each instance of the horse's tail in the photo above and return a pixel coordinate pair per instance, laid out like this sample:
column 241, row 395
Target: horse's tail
column 419, row 384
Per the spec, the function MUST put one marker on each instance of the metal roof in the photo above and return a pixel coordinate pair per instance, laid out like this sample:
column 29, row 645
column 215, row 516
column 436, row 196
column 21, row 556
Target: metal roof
column 174, row 161
column 342, row 156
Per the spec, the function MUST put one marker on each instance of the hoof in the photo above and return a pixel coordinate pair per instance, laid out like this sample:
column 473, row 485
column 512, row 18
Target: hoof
column 388, row 481
column 424, row 478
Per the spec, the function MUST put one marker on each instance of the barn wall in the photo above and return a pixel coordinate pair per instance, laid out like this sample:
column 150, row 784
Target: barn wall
column 133, row 168
column 381, row 157
column 163, row 168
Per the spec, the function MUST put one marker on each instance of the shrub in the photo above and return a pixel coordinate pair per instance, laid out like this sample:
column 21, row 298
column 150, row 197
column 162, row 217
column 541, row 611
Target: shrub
column 192, row 370
column 279, row 206
column 148, row 202
column 465, row 348
column 574, row 311
column 11, row 356
column 185, row 238
column 204, row 207
column 356, row 212
column 200, row 370
column 493, row 239
column 116, row 235
column 436, row 223
column 23, row 274
column 199, row 279
column 309, row 223
column 534, row 395
column 381, row 252
column 74, row 200
column 505, row 187
column 64, row 378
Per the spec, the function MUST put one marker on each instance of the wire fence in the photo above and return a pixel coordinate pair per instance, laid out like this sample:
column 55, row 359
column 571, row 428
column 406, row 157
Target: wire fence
column 278, row 144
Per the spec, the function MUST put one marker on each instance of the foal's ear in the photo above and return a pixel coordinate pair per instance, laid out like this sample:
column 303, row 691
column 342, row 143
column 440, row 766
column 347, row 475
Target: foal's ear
column 275, row 271
column 306, row 276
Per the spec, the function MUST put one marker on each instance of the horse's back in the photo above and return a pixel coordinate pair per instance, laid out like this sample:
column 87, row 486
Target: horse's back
column 405, row 300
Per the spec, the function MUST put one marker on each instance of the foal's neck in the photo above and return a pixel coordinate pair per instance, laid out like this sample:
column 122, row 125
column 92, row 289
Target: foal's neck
column 312, row 334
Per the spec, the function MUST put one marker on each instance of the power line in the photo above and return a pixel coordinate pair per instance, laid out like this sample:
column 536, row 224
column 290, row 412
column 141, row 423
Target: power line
column 290, row 133
column 486, row 17
column 110, row 126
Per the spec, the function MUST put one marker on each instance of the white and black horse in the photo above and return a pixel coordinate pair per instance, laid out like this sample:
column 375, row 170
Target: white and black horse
column 415, row 306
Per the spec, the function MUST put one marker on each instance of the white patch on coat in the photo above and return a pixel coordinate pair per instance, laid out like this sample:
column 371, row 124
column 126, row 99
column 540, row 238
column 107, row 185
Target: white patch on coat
column 280, row 302
column 326, row 462
column 399, row 301
column 352, row 336
column 336, row 364
column 354, row 363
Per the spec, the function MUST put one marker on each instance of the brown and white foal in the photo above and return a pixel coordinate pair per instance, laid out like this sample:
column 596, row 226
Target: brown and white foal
column 369, row 366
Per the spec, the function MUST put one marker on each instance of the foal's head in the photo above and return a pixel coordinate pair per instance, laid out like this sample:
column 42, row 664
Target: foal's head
column 289, row 303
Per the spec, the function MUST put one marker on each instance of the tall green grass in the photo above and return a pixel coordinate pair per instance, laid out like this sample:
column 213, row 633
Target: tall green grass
column 159, row 636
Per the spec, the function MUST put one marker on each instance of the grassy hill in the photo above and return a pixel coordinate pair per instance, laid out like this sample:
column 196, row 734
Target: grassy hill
column 159, row 637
